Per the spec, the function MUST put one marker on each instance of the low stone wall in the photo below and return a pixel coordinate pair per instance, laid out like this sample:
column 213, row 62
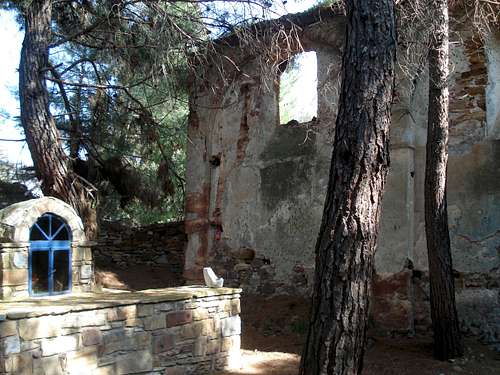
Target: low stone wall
column 159, row 245
column 166, row 331
column 401, row 303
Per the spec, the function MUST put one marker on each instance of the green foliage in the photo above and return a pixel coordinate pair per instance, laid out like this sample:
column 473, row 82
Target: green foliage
column 125, row 81
column 118, row 83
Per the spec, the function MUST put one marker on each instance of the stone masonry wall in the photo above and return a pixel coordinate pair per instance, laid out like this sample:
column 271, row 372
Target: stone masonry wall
column 14, row 270
column 165, row 337
column 16, row 222
column 154, row 245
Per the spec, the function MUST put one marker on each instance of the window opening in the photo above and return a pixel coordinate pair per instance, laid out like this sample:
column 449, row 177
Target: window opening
column 49, row 257
column 298, row 96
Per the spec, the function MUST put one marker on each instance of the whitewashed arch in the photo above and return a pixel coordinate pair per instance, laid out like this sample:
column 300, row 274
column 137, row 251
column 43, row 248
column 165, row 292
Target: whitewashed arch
column 17, row 219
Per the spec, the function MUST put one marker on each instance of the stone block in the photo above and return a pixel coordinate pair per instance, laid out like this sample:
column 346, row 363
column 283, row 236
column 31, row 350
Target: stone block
column 8, row 328
column 48, row 365
column 81, row 362
column 178, row 318
column 122, row 313
column 61, row 344
column 134, row 362
column 77, row 255
column 19, row 364
column 87, row 253
column 91, row 336
column 30, row 346
column 124, row 342
column 231, row 326
column 15, row 276
column 4, row 259
column 193, row 330
column 200, row 314
column 35, row 328
column 134, row 322
column 144, row 310
column 84, row 319
column 86, row 271
column 200, row 346
column 215, row 332
column 154, row 322
column 20, row 260
column 163, row 343
column 11, row 345
column 213, row 346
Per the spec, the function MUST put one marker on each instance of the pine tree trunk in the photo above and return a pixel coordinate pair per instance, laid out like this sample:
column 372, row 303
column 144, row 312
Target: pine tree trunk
column 51, row 163
column 447, row 339
column 346, row 243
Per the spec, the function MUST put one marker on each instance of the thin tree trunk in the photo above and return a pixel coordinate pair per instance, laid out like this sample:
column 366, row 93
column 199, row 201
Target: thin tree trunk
column 51, row 163
column 346, row 243
column 447, row 338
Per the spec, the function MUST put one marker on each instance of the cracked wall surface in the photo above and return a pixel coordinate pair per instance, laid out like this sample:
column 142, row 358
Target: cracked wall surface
column 255, row 188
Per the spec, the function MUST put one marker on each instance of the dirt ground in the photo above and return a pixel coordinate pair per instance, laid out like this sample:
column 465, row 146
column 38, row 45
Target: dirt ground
column 133, row 278
column 273, row 332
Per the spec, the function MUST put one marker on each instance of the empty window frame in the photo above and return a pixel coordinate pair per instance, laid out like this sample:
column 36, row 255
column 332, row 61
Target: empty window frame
column 298, row 89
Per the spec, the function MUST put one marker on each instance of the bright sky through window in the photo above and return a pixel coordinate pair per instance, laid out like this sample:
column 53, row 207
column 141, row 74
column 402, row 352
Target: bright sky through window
column 298, row 98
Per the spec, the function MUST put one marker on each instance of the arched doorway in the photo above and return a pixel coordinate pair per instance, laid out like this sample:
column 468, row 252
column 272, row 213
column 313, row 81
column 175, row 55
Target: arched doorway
column 49, row 256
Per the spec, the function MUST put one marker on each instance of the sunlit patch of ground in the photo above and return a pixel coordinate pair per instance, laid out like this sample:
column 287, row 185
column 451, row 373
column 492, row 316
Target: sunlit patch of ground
column 110, row 280
column 269, row 363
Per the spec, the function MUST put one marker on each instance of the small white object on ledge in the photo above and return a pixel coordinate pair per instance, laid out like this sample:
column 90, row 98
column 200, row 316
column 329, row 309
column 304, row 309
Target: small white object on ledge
column 211, row 279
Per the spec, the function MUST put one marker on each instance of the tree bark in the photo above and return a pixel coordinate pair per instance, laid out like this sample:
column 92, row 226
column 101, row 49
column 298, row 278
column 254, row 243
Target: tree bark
column 447, row 338
column 51, row 163
column 346, row 243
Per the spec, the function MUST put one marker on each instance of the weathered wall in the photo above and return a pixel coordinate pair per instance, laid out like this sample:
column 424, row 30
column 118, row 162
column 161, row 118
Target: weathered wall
column 255, row 215
column 171, row 331
column 157, row 245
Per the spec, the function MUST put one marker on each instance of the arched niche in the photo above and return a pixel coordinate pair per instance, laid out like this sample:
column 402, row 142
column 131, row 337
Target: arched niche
column 43, row 250
column 18, row 219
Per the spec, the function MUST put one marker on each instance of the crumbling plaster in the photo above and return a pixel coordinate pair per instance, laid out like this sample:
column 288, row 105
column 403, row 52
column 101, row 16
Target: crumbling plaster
column 493, row 88
column 255, row 216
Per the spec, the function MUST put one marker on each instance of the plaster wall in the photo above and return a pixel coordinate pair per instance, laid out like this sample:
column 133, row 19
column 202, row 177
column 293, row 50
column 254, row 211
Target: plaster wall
column 493, row 88
column 255, row 214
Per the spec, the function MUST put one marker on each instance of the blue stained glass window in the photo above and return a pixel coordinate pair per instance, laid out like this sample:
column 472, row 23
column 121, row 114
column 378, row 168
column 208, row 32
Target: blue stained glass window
column 50, row 256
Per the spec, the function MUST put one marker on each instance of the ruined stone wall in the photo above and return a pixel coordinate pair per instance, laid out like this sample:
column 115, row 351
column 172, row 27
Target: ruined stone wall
column 157, row 245
column 162, row 334
column 254, row 215
column 473, row 198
